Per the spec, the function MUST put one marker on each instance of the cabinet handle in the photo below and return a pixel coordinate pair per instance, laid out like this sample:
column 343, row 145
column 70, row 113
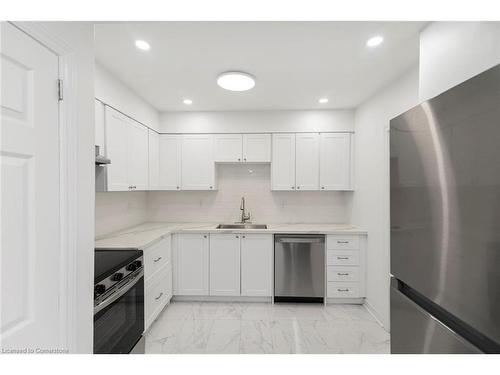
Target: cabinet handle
column 157, row 259
column 211, row 187
column 244, row 159
column 342, row 257
column 342, row 290
column 237, row 236
column 342, row 274
column 298, row 187
column 243, row 236
column 239, row 159
column 205, row 236
column 157, row 298
column 177, row 187
column 342, row 241
column 293, row 187
column 322, row 187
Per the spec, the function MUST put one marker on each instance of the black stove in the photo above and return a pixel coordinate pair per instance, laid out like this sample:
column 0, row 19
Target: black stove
column 109, row 261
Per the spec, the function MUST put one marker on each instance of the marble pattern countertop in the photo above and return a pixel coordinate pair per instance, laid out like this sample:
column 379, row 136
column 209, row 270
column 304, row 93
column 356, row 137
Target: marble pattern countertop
column 145, row 234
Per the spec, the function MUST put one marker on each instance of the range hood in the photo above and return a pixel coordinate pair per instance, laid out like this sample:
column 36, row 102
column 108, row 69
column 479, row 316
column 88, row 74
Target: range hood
column 99, row 159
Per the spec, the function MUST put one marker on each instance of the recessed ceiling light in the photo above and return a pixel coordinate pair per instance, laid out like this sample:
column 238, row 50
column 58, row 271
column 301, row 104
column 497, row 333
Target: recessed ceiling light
column 236, row 81
column 323, row 100
column 374, row 41
column 187, row 101
column 141, row 44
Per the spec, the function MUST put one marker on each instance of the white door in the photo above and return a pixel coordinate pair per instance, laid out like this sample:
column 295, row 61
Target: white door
column 283, row 162
column 227, row 148
column 224, row 264
column 257, row 148
column 192, row 264
column 153, row 159
column 256, row 264
column 117, row 149
column 31, row 271
column 170, row 162
column 335, row 161
column 307, row 161
column 138, row 155
column 198, row 167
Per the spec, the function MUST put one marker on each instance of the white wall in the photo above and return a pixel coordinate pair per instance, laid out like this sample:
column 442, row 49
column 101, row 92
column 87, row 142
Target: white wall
column 452, row 52
column 256, row 121
column 119, row 210
column 252, row 182
column 115, row 93
column 370, row 207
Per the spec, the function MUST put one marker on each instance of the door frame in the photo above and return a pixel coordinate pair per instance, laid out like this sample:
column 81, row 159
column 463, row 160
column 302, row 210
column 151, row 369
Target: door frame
column 68, row 172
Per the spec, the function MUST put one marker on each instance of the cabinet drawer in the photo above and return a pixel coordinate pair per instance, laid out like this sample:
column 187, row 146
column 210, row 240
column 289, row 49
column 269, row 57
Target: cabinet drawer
column 335, row 273
column 157, row 256
column 342, row 290
column 342, row 258
column 334, row 242
column 157, row 294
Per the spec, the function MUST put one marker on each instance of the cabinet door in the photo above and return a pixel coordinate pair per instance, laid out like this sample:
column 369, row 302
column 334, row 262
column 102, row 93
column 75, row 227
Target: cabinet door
column 138, row 155
column 198, row 167
column 117, row 135
column 257, row 148
column 256, row 264
column 154, row 159
column 170, row 162
column 192, row 264
column 228, row 147
column 307, row 161
column 283, row 162
column 335, row 161
column 224, row 264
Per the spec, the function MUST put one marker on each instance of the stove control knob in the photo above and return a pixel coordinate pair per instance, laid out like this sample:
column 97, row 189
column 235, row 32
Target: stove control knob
column 100, row 288
column 131, row 267
column 117, row 276
column 138, row 263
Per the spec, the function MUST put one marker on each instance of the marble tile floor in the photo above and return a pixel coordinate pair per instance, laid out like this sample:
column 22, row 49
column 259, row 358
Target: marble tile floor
column 224, row 328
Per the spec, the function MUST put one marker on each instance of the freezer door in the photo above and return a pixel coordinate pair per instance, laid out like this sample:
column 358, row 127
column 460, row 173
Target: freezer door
column 414, row 331
column 445, row 201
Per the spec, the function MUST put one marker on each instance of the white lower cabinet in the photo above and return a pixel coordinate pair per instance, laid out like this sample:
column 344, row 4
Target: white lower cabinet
column 256, row 265
column 192, row 264
column 224, row 264
column 157, row 279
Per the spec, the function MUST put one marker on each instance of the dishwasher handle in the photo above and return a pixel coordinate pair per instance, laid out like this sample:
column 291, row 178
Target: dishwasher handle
column 300, row 240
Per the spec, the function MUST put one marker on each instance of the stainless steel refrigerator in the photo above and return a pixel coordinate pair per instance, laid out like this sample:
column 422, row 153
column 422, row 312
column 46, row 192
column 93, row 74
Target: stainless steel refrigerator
column 445, row 221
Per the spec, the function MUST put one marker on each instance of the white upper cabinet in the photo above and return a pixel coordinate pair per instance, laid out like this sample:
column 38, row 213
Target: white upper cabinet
column 283, row 162
column 154, row 159
column 307, row 161
column 198, row 167
column 138, row 156
column 228, row 147
column 335, row 161
column 170, row 162
column 256, row 148
column 224, row 264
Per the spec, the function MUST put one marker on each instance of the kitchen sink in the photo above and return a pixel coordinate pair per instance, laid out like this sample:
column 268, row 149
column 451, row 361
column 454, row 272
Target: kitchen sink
column 241, row 226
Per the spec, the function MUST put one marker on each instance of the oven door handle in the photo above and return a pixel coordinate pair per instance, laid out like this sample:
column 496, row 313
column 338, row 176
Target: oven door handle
column 120, row 292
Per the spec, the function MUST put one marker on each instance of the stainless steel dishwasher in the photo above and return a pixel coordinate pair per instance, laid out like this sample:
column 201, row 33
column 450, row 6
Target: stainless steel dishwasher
column 299, row 268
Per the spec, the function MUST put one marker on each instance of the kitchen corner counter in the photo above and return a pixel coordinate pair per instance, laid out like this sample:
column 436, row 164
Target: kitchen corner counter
column 145, row 234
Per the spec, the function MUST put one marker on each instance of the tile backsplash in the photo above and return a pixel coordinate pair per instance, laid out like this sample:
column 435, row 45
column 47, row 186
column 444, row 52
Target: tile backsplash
column 253, row 182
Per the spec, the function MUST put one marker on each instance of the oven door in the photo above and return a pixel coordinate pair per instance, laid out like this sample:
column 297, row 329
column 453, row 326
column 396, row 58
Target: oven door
column 119, row 319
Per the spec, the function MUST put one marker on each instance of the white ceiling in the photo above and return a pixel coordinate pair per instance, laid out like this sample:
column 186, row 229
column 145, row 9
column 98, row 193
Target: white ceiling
column 295, row 63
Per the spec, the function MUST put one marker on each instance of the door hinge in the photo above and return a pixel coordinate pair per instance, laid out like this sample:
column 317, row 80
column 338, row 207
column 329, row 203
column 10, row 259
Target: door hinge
column 60, row 88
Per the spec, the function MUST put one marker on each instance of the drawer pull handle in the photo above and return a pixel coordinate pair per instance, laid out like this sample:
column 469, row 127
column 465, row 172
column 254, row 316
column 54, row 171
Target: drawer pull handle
column 342, row 290
column 157, row 298
column 343, row 258
column 157, row 259
column 342, row 273
column 342, row 241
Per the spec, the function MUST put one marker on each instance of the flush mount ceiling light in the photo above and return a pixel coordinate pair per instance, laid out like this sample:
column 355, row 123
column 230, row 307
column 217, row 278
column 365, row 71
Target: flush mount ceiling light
column 236, row 81
column 187, row 101
column 374, row 41
column 142, row 44
column 323, row 100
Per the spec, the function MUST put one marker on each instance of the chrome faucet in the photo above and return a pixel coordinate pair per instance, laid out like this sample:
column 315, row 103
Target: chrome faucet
column 244, row 216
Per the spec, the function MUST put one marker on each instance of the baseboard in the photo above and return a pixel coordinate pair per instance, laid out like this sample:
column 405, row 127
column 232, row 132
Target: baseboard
column 345, row 301
column 373, row 313
column 220, row 299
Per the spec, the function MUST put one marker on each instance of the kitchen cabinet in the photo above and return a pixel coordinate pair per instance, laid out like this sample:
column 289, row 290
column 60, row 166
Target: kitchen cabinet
column 335, row 161
column 170, row 162
column 197, row 162
column 256, row 265
column 192, row 264
column 153, row 159
column 241, row 148
column 307, row 161
column 224, row 265
column 283, row 162
column 127, row 147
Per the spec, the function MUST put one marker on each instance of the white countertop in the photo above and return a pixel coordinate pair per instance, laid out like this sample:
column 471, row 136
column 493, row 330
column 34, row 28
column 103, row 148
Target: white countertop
column 145, row 234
